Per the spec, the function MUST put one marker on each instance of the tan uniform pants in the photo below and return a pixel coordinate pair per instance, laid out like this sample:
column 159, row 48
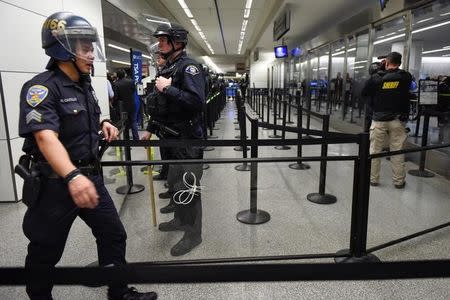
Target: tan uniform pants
column 394, row 132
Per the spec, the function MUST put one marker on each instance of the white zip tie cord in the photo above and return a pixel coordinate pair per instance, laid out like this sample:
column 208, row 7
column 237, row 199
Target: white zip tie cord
column 184, row 197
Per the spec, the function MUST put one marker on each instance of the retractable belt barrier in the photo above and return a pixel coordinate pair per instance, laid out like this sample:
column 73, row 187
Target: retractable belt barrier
column 217, row 270
column 194, row 273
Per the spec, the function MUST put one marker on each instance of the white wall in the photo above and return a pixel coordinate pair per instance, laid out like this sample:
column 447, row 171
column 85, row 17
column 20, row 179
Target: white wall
column 434, row 66
column 258, row 69
column 22, row 58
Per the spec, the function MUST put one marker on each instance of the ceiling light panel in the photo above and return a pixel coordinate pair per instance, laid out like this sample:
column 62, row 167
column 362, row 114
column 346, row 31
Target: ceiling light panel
column 194, row 22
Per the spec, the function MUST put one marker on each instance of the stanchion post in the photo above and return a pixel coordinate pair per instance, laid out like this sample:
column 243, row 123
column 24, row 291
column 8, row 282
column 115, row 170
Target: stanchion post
column 299, row 165
column 253, row 215
column 360, row 208
column 130, row 188
column 244, row 166
column 275, row 104
column 283, row 131
column 421, row 172
column 289, row 121
column 322, row 197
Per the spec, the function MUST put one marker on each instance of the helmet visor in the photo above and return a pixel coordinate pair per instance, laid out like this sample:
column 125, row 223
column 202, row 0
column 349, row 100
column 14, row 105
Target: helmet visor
column 81, row 42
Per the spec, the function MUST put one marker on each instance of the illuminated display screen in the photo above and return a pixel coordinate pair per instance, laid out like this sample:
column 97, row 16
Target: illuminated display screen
column 281, row 51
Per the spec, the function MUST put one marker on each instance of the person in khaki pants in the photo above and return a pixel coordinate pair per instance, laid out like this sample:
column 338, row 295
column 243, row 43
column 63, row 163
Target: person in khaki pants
column 388, row 92
column 395, row 134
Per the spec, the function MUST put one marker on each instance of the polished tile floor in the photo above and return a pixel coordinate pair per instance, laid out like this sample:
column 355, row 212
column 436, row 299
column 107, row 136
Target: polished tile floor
column 297, row 226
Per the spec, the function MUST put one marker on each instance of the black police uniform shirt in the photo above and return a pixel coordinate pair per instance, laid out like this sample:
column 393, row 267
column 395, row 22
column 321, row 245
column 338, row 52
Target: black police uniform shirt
column 389, row 91
column 51, row 100
column 185, row 97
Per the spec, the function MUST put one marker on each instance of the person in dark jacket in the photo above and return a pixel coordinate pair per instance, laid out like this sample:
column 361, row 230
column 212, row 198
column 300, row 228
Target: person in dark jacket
column 388, row 94
column 125, row 89
column 176, row 113
column 60, row 121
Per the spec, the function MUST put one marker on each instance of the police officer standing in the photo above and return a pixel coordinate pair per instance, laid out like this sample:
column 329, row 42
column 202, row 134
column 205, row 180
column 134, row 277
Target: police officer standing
column 388, row 92
column 176, row 113
column 59, row 119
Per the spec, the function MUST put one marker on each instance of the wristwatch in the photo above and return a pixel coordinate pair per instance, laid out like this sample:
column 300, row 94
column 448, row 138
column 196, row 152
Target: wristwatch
column 166, row 88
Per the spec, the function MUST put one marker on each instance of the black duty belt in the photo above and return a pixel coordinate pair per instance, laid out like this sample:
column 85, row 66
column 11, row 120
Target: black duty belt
column 87, row 168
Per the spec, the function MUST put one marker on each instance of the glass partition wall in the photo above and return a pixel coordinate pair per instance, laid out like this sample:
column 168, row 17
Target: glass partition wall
column 336, row 74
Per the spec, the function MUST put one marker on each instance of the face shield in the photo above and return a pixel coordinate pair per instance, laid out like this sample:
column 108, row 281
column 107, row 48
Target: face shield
column 81, row 42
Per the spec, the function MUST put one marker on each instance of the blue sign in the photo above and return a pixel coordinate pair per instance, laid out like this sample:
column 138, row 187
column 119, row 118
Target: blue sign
column 136, row 66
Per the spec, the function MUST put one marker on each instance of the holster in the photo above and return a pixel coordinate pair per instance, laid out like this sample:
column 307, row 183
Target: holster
column 31, row 189
column 32, row 180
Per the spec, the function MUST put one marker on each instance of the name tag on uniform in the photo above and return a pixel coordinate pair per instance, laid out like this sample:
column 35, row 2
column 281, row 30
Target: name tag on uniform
column 67, row 100
column 388, row 85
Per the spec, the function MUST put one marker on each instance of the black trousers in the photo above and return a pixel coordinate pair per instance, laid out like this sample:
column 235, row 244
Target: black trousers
column 47, row 226
column 189, row 214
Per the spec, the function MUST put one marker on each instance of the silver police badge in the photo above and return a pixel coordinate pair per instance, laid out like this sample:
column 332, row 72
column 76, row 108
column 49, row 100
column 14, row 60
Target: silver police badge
column 193, row 70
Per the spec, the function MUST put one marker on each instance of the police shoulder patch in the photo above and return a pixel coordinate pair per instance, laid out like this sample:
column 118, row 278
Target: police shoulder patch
column 192, row 69
column 36, row 94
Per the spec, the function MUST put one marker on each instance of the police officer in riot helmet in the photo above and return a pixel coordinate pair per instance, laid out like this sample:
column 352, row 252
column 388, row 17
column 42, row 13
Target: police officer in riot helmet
column 388, row 92
column 176, row 113
column 59, row 119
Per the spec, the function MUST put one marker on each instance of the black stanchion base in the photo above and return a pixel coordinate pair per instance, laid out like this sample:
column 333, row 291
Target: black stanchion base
column 205, row 166
column 420, row 173
column 275, row 136
column 236, row 122
column 239, row 137
column 282, row 147
column 247, row 217
column 242, row 168
column 321, row 199
column 290, row 122
column 212, row 137
column 353, row 259
column 240, row 148
column 237, row 128
column 134, row 189
column 208, row 148
column 299, row 166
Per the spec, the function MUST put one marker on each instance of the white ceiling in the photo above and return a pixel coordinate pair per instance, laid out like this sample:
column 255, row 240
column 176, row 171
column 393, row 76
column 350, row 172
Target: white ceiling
column 308, row 19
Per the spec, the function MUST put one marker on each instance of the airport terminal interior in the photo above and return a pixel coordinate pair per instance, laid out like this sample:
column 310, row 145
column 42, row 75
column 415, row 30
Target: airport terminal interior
column 281, row 72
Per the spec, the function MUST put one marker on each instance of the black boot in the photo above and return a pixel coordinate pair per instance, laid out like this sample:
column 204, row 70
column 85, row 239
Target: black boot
column 172, row 225
column 160, row 177
column 170, row 208
column 185, row 245
column 131, row 294
column 166, row 195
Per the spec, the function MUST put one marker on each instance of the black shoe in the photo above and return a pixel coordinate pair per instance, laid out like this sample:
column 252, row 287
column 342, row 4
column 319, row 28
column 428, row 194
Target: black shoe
column 374, row 184
column 132, row 294
column 159, row 177
column 172, row 225
column 400, row 186
column 170, row 208
column 185, row 245
column 165, row 195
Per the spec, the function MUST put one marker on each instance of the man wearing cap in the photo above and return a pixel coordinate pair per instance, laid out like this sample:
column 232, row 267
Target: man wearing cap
column 388, row 89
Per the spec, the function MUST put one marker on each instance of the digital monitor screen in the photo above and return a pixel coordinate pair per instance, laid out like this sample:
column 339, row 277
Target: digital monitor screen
column 281, row 51
column 296, row 52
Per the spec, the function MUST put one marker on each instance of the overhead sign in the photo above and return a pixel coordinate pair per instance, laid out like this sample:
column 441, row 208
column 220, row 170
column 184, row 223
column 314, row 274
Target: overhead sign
column 282, row 24
column 136, row 66
column 240, row 67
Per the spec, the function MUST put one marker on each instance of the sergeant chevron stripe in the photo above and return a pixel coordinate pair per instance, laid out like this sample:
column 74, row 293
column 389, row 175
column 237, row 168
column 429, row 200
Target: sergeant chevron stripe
column 34, row 115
